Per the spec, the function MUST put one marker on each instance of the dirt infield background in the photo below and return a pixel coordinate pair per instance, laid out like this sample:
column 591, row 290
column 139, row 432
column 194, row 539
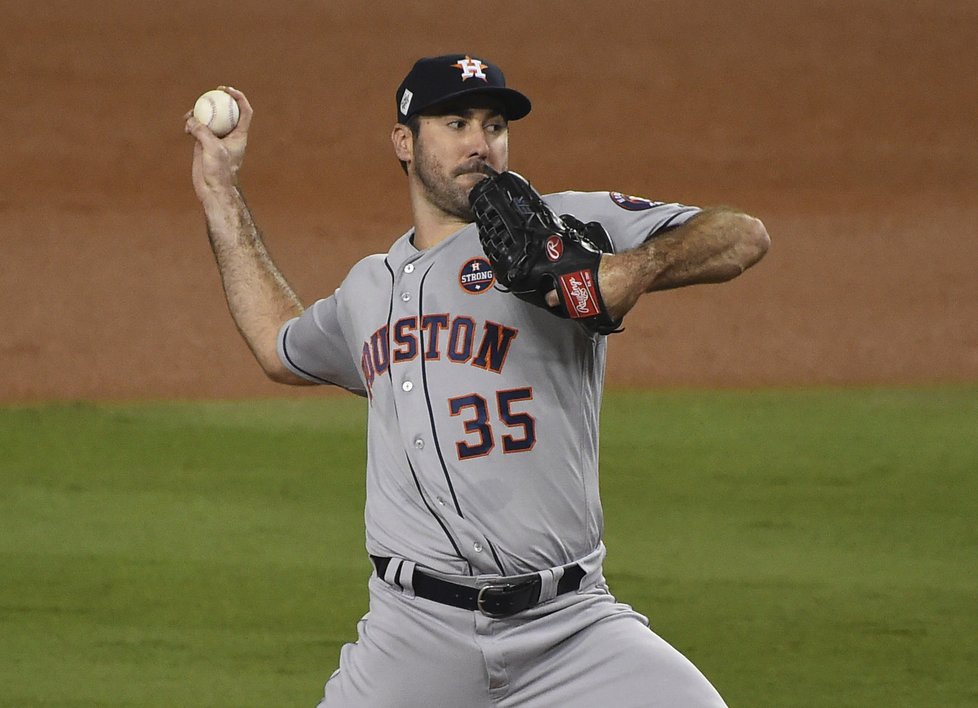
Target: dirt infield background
column 848, row 126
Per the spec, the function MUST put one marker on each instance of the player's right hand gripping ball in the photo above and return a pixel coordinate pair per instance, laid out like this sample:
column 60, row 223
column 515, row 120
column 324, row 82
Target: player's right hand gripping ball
column 533, row 251
column 217, row 110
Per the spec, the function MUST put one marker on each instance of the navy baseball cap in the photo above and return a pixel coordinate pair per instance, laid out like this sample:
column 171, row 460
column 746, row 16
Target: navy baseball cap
column 434, row 80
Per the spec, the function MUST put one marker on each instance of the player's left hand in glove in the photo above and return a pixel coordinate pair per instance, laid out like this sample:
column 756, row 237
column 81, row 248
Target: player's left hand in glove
column 534, row 252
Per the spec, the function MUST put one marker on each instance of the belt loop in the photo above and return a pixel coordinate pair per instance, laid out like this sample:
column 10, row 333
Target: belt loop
column 390, row 575
column 400, row 574
column 405, row 577
column 548, row 583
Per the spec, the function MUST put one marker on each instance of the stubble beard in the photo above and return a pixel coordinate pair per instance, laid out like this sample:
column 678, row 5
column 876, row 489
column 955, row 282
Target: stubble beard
column 441, row 188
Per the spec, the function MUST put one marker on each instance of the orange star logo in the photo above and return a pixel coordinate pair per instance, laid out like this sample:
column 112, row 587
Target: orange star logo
column 471, row 68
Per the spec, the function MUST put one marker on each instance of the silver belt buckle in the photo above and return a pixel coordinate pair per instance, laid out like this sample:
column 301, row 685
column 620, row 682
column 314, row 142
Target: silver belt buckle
column 480, row 599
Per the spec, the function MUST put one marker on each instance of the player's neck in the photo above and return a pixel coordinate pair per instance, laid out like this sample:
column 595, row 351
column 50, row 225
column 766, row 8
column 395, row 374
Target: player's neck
column 432, row 226
column 425, row 238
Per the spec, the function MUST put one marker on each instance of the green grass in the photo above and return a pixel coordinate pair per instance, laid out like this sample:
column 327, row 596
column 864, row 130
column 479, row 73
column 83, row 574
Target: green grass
column 804, row 548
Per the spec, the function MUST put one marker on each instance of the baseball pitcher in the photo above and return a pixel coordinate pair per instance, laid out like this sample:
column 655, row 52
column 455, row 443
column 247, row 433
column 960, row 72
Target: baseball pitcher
column 479, row 342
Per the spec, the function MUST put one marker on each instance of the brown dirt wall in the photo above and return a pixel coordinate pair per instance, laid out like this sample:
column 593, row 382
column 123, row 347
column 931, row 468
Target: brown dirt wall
column 848, row 127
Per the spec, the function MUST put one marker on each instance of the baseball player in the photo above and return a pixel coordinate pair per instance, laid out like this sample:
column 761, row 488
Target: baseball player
column 483, row 521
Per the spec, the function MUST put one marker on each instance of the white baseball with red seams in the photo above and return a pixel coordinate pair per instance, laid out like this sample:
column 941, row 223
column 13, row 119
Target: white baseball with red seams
column 218, row 110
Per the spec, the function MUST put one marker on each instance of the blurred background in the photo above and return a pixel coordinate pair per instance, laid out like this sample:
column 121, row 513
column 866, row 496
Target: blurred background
column 848, row 128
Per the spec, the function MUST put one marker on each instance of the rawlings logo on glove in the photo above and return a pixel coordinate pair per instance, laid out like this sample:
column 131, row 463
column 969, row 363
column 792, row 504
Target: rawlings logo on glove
column 579, row 288
column 534, row 252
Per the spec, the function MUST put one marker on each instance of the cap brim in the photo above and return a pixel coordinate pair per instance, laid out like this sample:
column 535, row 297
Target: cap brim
column 515, row 104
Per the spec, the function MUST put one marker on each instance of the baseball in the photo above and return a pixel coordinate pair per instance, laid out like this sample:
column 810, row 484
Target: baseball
column 218, row 111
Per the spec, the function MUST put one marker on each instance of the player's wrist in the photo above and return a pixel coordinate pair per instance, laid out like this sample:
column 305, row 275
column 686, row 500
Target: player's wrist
column 618, row 284
column 227, row 214
column 220, row 199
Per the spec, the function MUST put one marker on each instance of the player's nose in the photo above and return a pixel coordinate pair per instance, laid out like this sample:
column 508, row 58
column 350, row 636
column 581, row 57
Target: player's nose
column 478, row 144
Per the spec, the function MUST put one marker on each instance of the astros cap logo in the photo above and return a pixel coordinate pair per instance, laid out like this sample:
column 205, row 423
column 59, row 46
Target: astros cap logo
column 471, row 67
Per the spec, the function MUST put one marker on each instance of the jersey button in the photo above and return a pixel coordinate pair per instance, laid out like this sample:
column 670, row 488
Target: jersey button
column 477, row 547
column 409, row 268
column 407, row 386
column 419, row 443
column 406, row 297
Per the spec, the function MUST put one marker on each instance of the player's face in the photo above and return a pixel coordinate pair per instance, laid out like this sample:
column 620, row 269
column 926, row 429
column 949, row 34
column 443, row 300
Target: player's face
column 451, row 152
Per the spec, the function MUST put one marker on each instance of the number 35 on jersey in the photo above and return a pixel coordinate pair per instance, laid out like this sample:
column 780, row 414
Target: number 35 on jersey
column 460, row 341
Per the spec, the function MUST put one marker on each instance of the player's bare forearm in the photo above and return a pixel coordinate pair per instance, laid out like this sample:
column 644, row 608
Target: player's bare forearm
column 258, row 296
column 715, row 246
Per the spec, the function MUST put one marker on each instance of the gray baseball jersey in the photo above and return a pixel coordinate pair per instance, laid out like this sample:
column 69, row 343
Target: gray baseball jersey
column 482, row 461
column 483, row 421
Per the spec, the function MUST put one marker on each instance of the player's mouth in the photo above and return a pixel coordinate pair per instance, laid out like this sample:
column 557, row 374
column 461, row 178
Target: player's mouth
column 475, row 167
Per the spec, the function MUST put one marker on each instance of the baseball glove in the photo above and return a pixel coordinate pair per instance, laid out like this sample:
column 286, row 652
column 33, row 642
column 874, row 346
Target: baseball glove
column 533, row 251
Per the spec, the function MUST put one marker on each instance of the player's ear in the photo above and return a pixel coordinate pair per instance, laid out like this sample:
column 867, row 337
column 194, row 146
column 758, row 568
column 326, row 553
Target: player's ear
column 403, row 140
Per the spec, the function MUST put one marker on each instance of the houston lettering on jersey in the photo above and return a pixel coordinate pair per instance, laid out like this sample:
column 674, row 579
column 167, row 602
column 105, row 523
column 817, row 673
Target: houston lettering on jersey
column 459, row 339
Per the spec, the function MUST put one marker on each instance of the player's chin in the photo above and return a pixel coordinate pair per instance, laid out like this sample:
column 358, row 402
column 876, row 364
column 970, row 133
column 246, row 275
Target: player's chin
column 467, row 183
column 463, row 212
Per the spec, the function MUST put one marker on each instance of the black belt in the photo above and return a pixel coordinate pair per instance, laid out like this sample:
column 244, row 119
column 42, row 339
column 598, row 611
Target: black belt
column 493, row 599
